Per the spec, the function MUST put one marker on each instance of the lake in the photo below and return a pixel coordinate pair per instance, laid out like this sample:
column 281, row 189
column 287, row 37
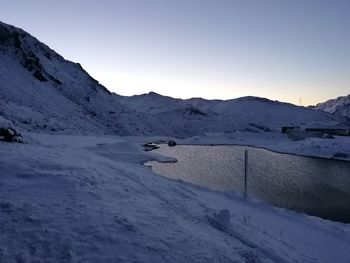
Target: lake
column 314, row 186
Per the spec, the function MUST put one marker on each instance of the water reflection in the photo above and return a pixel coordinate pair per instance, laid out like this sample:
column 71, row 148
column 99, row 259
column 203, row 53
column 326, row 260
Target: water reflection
column 315, row 186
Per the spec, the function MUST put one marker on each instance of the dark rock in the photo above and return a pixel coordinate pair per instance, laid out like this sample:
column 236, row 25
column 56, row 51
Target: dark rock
column 340, row 155
column 30, row 63
column 17, row 42
column 221, row 221
column 150, row 147
column 47, row 55
column 171, row 143
column 8, row 38
column 39, row 76
column 260, row 127
column 57, row 81
column 193, row 111
column 9, row 135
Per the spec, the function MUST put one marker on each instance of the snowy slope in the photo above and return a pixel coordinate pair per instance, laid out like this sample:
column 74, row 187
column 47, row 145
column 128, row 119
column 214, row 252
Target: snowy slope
column 87, row 199
column 198, row 116
column 40, row 90
column 339, row 106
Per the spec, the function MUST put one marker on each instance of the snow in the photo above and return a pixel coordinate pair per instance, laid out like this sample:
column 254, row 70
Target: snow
column 339, row 106
column 70, row 101
column 88, row 199
column 4, row 123
column 278, row 142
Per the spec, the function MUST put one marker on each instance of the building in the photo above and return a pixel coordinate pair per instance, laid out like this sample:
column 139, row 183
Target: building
column 315, row 131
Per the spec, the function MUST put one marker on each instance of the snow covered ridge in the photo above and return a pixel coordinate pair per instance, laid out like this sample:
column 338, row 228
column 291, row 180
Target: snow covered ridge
column 29, row 51
column 41, row 91
column 339, row 106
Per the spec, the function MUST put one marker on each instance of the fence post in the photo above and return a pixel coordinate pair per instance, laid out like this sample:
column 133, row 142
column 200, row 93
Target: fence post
column 245, row 171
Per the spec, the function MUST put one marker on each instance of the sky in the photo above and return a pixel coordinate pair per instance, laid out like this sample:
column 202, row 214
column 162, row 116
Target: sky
column 283, row 50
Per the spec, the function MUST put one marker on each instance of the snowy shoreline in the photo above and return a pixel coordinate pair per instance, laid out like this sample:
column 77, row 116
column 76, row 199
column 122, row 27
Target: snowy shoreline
column 77, row 198
column 278, row 143
column 257, row 147
column 273, row 141
column 272, row 150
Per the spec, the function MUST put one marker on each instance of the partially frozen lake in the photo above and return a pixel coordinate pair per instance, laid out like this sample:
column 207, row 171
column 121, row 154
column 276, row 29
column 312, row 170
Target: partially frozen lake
column 314, row 186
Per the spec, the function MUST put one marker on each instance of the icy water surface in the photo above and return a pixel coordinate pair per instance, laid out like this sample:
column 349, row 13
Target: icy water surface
column 314, row 186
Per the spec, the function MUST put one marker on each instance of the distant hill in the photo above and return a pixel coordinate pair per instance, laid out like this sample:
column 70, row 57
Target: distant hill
column 339, row 106
column 41, row 91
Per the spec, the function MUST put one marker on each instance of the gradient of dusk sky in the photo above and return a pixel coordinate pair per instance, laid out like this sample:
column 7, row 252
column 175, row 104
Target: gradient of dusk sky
column 279, row 49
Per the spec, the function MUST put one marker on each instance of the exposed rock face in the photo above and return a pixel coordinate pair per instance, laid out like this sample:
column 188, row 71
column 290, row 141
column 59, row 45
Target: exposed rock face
column 41, row 90
column 13, row 41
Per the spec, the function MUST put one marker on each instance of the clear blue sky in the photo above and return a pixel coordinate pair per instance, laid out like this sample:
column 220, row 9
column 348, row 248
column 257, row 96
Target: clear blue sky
column 279, row 49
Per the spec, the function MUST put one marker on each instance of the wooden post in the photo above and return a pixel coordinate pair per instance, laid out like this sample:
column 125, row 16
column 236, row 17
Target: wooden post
column 245, row 171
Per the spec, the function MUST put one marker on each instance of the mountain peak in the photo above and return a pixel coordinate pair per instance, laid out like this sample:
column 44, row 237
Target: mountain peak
column 41, row 90
column 339, row 106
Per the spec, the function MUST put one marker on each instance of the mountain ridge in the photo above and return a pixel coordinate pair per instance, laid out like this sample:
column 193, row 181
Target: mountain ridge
column 339, row 106
column 41, row 91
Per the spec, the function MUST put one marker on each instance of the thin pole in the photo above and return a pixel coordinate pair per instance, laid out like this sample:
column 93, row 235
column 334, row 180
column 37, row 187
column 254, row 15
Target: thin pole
column 245, row 171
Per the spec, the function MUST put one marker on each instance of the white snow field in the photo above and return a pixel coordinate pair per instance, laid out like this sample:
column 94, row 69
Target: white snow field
column 89, row 199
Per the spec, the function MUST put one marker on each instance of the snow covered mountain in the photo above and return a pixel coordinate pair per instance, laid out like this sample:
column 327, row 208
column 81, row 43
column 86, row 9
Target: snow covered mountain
column 42, row 91
column 339, row 106
column 204, row 116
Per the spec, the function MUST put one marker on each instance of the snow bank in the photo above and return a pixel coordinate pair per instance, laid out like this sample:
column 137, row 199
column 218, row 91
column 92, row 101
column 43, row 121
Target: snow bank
column 336, row 148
